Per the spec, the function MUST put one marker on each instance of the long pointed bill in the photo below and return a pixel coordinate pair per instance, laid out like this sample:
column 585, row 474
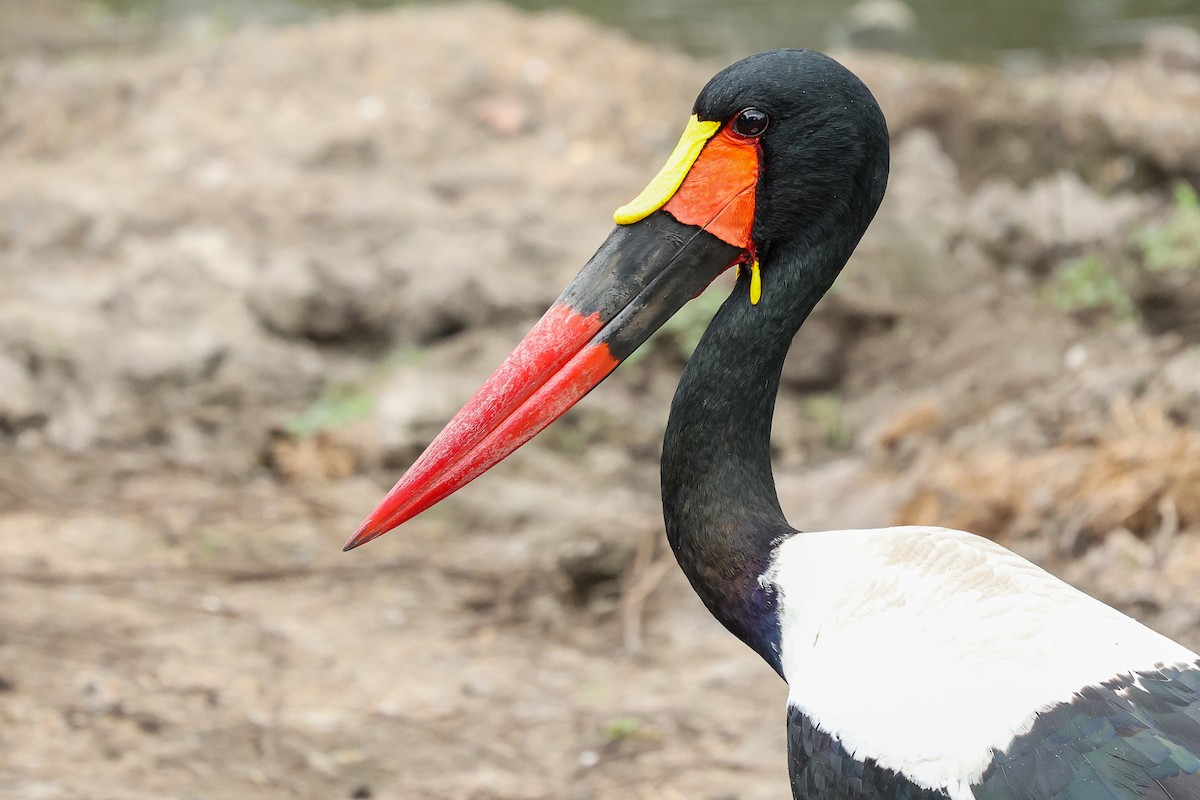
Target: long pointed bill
column 670, row 243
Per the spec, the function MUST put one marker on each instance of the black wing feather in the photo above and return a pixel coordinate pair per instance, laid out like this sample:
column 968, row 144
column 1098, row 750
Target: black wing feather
column 1134, row 737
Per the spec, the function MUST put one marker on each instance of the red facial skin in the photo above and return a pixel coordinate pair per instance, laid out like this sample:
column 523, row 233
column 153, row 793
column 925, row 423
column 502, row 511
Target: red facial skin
column 718, row 192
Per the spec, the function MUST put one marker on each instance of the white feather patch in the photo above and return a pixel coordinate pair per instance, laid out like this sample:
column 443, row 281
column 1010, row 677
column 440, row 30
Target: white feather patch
column 925, row 648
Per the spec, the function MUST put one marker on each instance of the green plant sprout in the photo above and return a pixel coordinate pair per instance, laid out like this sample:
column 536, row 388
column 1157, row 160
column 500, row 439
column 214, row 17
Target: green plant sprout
column 1089, row 283
column 827, row 412
column 1174, row 245
column 339, row 404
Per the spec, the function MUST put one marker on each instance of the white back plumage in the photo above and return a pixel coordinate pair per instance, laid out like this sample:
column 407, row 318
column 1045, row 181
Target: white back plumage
column 925, row 648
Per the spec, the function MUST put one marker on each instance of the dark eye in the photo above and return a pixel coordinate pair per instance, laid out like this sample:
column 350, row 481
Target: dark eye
column 750, row 122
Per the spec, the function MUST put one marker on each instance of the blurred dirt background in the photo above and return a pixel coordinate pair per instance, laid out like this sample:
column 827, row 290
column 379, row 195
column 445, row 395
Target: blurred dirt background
column 247, row 276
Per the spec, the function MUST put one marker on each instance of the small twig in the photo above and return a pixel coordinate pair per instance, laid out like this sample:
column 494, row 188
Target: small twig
column 1168, row 527
column 242, row 575
column 271, row 696
column 645, row 575
column 1068, row 538
column 607, row 756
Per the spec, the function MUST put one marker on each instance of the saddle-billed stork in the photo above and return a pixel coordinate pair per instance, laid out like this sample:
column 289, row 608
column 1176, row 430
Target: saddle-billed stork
column 921, row 662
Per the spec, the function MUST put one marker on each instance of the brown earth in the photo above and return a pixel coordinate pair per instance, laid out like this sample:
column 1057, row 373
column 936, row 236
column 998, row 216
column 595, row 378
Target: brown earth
column 246, row 278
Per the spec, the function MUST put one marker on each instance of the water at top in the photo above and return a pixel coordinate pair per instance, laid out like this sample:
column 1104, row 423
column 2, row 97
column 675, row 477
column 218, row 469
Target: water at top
column 999, row 31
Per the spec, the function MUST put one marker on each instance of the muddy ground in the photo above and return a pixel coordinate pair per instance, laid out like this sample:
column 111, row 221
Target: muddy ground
column 247, row 275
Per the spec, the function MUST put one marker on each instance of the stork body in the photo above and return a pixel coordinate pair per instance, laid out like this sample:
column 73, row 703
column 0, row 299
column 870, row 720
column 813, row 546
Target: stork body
column 936, row 662
column 921, row 662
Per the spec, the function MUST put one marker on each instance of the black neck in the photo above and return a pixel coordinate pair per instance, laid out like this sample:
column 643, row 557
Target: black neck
column 722, row 513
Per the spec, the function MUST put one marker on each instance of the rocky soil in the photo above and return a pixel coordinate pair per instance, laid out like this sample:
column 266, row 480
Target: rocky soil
column 246, row 278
